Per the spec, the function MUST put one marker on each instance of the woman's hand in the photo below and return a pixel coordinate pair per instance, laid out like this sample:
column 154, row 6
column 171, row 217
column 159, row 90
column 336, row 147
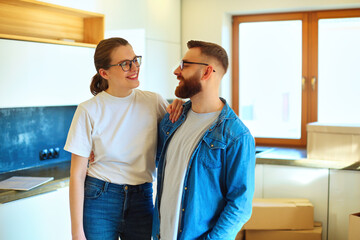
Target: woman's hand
column 91, row 157
column 175, row 109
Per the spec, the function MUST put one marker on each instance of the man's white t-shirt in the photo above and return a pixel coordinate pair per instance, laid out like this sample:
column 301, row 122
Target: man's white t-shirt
column 178, row 154
column 122, row 132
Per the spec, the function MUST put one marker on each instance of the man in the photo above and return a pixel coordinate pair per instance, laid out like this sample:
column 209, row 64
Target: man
column 206, row 159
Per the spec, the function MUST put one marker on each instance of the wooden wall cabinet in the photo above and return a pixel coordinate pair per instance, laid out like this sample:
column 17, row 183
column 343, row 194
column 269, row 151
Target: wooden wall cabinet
column 36, row 21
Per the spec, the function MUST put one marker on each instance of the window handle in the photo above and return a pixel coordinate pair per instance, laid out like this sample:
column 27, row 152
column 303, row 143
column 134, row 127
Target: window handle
column 303, row 81
column 313, row 83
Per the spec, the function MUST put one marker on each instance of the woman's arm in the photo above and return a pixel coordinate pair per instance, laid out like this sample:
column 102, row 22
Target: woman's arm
column 76, row 188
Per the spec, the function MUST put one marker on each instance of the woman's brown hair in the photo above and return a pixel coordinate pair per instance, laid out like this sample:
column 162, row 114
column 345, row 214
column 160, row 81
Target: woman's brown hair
column 102, row 59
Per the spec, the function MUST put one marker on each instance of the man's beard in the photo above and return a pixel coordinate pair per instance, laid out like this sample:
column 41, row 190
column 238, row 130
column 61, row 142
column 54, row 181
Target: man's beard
column 189, row 87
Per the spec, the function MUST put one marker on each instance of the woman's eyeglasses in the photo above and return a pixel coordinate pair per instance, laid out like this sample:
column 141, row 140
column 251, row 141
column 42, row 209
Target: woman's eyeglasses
column 127, row 64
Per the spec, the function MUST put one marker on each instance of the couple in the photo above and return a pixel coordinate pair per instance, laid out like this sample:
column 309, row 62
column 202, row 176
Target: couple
column 205, row 155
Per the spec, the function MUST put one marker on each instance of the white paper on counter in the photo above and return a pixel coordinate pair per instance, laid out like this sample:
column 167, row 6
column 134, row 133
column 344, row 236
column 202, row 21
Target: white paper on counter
column 23, row 183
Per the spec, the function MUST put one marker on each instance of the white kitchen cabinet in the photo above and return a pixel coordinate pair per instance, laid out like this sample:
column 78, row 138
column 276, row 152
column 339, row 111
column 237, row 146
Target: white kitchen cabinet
column 259, row 180
column 43, row 74
column 344, row 199
column 41, row 217
column 298, row 182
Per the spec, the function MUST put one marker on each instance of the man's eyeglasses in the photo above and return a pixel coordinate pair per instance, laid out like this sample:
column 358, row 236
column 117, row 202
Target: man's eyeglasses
column 127, row 64
column 182, row 64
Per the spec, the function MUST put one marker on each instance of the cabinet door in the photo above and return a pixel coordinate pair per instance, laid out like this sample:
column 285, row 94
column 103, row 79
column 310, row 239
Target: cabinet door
column 41, row 217
column 259, row 179
column 298, row 182
column 42, row 74
column 344, row 199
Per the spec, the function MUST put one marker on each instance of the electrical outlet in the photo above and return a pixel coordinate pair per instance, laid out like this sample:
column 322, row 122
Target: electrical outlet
column 56, row 152
column 49, row 153
column 43, row 154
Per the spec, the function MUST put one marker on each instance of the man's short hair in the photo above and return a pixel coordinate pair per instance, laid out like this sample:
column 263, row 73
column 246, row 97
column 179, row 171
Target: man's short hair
column 211, row 50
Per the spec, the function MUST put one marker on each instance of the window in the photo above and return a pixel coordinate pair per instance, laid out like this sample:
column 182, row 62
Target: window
column 294, row 68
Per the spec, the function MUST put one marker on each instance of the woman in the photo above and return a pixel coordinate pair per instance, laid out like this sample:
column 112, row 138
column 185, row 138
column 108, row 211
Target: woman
column 112, row 195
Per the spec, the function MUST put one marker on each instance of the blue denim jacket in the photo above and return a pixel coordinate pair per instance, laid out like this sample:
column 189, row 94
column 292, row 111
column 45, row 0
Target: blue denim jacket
column 219, row 182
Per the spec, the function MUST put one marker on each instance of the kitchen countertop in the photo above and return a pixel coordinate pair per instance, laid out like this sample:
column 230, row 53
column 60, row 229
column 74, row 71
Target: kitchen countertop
column 265, row 155
column 60, row 172
column 298, row 157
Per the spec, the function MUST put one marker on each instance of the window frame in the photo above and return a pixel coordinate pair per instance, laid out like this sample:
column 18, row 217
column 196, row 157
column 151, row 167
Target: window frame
column 309, row 96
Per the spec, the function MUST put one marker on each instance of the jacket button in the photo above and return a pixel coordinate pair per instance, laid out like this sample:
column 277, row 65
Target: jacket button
column 167, row 133
column 183, row 210
column 212, row 145
column 180, row 230
column 185, row 188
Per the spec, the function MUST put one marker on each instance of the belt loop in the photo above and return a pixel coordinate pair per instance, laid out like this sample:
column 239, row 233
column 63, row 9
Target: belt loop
column 105, row 187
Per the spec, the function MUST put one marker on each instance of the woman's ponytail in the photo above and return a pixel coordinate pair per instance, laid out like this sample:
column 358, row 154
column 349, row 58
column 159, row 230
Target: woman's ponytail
column 98, row 84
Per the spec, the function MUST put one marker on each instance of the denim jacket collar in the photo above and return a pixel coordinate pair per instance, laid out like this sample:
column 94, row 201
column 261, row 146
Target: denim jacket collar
column 224, row 114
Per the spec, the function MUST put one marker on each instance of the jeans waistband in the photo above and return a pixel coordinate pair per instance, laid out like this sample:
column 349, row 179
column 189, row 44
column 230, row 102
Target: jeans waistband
column 117, row 187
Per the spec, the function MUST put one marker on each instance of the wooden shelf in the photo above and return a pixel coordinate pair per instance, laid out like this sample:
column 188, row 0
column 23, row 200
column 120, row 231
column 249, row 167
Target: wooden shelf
column 30, row 20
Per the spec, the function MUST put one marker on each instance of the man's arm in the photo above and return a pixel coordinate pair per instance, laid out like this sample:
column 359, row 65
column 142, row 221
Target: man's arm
column 240, row 180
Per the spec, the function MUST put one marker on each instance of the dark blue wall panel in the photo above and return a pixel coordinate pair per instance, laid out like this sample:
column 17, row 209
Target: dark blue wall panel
column 24, row 132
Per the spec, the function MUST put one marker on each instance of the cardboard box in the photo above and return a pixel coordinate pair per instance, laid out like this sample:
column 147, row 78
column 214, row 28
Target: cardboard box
column 240, row 235
column 333, row 142
column 354, row 226
column 314, row 234
column 280, row 214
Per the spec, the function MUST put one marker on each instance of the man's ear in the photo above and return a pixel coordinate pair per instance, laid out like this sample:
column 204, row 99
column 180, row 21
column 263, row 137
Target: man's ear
column 103, row 73
column 208, row 71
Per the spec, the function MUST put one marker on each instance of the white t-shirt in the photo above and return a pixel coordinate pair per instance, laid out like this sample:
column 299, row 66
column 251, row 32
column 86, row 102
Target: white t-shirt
column 122, row 132
column 178, row 154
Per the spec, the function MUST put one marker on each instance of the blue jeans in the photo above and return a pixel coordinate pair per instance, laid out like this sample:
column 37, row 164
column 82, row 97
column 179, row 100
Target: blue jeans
column 112, row 210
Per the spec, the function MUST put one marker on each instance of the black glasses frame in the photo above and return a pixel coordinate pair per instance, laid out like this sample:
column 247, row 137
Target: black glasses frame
column 136, row 59
column 182, row 64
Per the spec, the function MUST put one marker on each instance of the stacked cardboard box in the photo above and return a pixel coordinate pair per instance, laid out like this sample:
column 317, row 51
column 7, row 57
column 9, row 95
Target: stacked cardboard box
column 333, row 142
column 240, row 235
column 313, row 234
column 282, row 219
column 354, row 226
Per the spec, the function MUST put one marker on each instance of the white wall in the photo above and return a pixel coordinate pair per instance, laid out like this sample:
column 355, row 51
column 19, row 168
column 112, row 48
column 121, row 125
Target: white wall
column 153, row 29
column 210, row 20
column 163, row 45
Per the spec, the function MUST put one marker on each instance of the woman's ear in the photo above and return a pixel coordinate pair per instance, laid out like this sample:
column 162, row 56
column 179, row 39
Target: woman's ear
column 103, row 73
